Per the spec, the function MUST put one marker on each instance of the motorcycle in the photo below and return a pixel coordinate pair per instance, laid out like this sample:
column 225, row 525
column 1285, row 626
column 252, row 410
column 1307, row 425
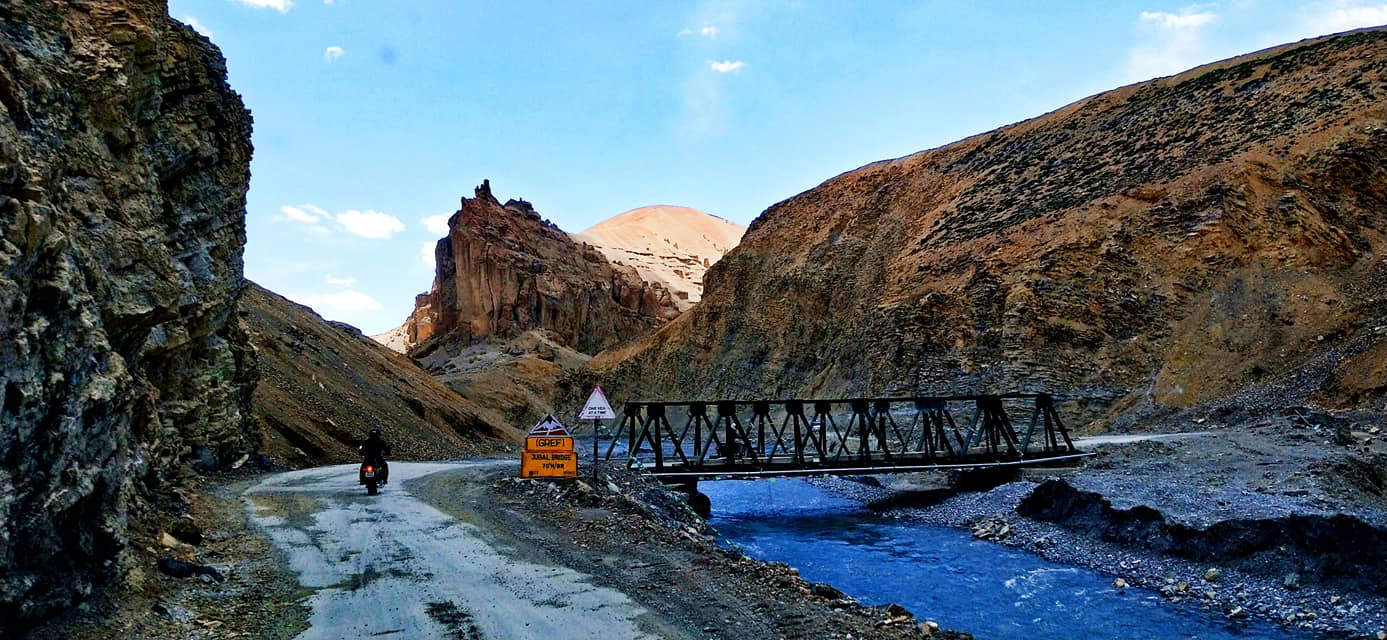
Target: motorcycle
column 374, row 474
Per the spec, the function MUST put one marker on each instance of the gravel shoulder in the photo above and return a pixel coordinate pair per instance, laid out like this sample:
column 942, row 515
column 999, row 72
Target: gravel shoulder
column 258, row 596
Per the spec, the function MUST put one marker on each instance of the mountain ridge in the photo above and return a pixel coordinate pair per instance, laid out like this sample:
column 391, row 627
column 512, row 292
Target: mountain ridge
column 1068, row 252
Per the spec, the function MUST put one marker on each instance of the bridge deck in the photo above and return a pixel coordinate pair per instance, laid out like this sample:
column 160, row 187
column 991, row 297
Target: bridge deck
column 857, row 436
column 900, row 465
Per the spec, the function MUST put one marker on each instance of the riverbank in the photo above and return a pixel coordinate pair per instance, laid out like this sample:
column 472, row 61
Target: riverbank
column 1277, row 523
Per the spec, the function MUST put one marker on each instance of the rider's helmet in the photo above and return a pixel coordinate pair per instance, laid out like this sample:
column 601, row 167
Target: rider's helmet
column 375, row 431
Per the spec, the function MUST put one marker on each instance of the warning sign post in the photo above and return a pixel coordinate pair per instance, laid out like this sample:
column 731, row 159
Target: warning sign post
column 549, row 451
column 596, row 408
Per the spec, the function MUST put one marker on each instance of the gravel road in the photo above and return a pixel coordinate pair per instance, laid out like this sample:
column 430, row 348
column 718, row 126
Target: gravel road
column 392, row 566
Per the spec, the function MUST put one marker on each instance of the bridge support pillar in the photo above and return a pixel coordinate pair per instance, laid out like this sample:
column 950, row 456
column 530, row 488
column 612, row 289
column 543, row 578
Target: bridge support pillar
column 698, row 501
column 984, row 479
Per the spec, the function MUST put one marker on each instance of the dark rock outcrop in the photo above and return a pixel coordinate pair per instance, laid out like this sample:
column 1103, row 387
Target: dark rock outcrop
column 324, row 385
column 1338, row 549
column 1161, row 245
column 503, row 271
column 124, row 162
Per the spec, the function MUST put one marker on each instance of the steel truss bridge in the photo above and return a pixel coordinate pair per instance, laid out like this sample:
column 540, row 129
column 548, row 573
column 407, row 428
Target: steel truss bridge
column 703, row 440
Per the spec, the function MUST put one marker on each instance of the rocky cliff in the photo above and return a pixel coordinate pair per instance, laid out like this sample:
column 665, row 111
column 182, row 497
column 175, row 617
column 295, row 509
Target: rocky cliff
column 123, row 171
column 673, row 246
column 324, row 385
column 503, row 271
column 1160, row 245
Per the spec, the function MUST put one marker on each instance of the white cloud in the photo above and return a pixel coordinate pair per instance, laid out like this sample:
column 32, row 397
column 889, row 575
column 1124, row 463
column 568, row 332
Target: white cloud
column 366, row 224
column 370, row 224
column 338, row 303
column 332, row 53
column 706, row 31
column 340, row 282
column 281, row 6
column 1188, row 18
column 426, row 255
column 726, row 66
column 1175, row 43
column 437, row 225
column 1342, row 15
column 197, row 26
column 305, row 213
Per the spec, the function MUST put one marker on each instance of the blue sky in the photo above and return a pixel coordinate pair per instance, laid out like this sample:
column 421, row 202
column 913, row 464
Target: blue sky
column 372, row 117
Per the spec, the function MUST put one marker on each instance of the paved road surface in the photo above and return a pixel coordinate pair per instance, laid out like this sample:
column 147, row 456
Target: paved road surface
column 390, row 566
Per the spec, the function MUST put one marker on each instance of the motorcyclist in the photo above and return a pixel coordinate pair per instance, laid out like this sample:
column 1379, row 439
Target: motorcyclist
column 374, row 450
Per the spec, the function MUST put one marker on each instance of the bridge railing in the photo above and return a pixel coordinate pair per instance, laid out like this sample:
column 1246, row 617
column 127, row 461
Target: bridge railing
column 752, row 435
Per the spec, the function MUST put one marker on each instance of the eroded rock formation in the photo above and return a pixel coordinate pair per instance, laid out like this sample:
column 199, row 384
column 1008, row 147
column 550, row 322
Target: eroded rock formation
column 123, row 170
column 1163, row 244
column 503, row 271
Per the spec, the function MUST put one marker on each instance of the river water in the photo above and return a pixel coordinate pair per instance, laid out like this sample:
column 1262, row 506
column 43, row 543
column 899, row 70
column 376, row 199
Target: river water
column 943, row 574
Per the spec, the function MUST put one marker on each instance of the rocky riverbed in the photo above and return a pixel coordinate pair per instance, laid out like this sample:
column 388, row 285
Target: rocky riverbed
column 1265, row 522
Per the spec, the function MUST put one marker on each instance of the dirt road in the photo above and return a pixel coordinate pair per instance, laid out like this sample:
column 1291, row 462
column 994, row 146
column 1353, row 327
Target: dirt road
column 393, row 566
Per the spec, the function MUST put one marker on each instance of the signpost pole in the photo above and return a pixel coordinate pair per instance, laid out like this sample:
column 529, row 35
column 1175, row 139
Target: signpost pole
column 596, row 409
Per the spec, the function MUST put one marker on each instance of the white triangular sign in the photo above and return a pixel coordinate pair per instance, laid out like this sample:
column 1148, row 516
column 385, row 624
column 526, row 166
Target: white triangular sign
column 549, row 427
column 597, row 407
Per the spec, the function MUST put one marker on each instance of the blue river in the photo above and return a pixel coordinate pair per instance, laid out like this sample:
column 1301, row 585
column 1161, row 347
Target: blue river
column 945, row 575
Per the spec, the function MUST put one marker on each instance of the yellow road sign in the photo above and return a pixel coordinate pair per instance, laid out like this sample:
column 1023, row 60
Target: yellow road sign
column 548, row 464
column 548, row 444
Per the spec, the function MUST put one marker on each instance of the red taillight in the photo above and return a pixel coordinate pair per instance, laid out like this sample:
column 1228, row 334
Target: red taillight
column 369, row 469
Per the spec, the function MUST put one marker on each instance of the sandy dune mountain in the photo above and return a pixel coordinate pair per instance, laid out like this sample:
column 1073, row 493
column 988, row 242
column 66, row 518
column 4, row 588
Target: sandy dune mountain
column 666, row 244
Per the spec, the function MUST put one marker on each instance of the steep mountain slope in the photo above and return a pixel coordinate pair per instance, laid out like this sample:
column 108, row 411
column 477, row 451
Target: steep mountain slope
column 324, row 385
column 124, row 161
column 1163, row 244
column 666, row 244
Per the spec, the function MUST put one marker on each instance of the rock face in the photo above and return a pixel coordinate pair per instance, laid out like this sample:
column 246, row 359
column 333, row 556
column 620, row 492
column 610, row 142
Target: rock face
column 324, row 385
column 503, row 271
column 123, row 170
column 673, row 246
column 1317, row 544
column 1159, row 245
